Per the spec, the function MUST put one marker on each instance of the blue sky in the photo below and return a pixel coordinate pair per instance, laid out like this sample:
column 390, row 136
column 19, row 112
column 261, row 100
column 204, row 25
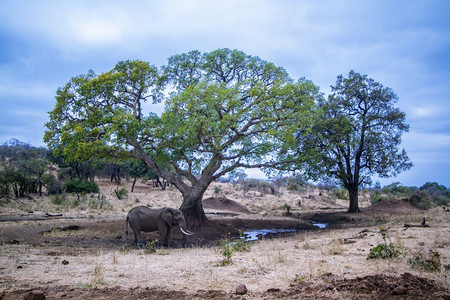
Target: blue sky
column 405, row 45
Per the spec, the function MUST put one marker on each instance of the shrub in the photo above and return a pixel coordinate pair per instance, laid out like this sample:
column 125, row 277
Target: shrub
column 293, row 187
column 377, row 197
column 59, row 199
column 151, row 247
column 217, row 190
column 384, row 250
column 229, row 246
column 51, row 184
column 341, row 193
column 430, row 262
column 397, row 189
column 258, row 185
column 65, row 201
column 287, row 207
column 121, row 193
column 81, row 186
column 420, row 199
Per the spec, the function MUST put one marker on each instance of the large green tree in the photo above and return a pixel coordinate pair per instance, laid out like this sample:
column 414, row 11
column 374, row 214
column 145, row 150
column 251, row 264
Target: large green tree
column 223, row 110
column 358, row 135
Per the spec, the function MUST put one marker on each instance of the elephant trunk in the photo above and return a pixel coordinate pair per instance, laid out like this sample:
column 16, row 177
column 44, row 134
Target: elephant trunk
column 185, row 231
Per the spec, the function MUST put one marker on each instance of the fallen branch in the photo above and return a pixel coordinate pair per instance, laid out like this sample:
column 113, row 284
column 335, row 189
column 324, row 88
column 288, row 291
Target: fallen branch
column 411, row 225
column 52, row 215
column 421, row 225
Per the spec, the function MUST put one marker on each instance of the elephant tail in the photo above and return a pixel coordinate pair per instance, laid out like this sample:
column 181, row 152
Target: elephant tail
column 126, row 226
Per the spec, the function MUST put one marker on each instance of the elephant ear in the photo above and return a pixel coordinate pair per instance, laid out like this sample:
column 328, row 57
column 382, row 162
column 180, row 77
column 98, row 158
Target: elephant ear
column 167, row 216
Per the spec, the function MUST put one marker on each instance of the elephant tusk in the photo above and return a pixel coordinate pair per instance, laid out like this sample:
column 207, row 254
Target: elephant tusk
column 186, row 232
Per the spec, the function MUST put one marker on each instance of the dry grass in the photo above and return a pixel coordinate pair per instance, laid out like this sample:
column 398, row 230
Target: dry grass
column 269, row 263
column 274, row 263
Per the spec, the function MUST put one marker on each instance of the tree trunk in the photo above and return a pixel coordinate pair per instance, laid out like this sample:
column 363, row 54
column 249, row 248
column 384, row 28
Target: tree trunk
column 193, row 212
column 134, row 183
column 353, row 195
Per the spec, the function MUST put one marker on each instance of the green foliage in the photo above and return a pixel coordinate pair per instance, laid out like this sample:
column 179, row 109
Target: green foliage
column 227, row 251
column 377, row 196
column 59, row 199
column 341, row 193
column 224, row 110
column 439, row 194
column 52, row 185
column 287, row 207
column 150, row 248
column 217, row 190
column 258, row 185
column 357, row 135
column 428, row 195
column 397, row 189
column 228, row 246
column 125, row 248
column 65, row 201
column 420, row 199
column 80, row 187
column 428, row 262
column 121, row 193
column 21, row 168
column 384, row 250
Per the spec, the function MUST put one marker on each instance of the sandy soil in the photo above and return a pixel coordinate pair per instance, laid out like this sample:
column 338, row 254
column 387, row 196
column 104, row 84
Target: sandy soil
column 83, row 253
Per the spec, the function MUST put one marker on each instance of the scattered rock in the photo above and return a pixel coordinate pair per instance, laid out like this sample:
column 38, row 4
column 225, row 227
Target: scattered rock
column 2, row 295
column 65, row 262
column 241, row 289
column 35, row 295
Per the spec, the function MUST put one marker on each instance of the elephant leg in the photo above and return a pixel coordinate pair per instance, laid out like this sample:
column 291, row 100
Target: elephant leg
column 168, row 236
column 164, row 234
column 138, row 239
column 183, row 241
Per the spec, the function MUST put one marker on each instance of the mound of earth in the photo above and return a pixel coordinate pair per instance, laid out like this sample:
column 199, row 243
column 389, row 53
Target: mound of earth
column 224, row 204
column 379, row 286
column 394, row 206
column 329, row 286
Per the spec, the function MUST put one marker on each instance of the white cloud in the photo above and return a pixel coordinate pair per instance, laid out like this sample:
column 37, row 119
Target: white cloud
column 425, row 111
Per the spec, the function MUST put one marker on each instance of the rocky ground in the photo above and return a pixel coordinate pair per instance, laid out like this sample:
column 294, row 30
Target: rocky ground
column 84, row 253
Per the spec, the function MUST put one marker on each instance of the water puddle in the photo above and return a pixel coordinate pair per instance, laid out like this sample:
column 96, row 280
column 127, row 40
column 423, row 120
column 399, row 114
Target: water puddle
column 256, row 234
column 319, row 225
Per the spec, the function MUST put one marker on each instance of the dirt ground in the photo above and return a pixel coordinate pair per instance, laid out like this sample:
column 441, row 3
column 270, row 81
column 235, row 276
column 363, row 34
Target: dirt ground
column 84, row 254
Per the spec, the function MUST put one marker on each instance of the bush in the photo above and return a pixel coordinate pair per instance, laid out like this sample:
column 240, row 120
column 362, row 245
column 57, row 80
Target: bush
column 384, row 250
column 421, row 200
column 397, row 189
column 258, row 185
column 217, row 190
column 121, row 193
column 63, row 200
column 341, row 194
column 51, row 184
column 81, row 186
column 430, row 262
column 230, row 246
column 150, row 247
column 59, row 199
column 377, row 197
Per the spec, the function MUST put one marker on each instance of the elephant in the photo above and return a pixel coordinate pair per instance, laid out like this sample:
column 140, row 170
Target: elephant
column 143, row 218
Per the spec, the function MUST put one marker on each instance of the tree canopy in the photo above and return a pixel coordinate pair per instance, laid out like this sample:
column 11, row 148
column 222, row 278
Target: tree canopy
column 358, row 135
column 223, row 110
